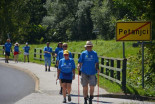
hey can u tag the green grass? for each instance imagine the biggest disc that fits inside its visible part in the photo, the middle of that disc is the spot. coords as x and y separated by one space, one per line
103 48
109 86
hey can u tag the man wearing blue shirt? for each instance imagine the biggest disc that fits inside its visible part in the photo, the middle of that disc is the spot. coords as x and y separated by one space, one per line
47 56
7 48
26 52
88 64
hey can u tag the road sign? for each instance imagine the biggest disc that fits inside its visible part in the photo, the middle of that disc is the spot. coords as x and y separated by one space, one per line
133 31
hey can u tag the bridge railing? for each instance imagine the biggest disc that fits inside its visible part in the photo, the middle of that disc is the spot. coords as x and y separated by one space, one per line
113 69
1 49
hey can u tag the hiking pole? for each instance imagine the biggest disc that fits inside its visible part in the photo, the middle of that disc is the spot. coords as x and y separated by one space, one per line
98 88
78 88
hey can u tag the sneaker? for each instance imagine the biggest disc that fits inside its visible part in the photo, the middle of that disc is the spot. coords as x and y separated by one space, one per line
64 101
49 70
85 100
45 69
69 98
90 101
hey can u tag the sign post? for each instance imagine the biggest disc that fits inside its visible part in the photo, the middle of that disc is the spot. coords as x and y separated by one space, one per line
143 64
96 32
123 49
134 31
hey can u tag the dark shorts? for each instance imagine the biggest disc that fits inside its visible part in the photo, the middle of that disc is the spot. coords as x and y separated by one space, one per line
66 81
7 53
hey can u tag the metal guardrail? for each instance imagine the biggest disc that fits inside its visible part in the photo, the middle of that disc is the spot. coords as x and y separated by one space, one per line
113 69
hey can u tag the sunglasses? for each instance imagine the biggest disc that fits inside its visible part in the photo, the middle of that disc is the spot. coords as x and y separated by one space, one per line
64 46
66 54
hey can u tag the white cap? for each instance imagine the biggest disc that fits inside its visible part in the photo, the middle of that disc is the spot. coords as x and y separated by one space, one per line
16 43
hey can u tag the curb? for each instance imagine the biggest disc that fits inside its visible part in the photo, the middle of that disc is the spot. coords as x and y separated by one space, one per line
32 75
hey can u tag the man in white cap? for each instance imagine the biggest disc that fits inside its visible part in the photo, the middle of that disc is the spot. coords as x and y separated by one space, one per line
88 64
26 52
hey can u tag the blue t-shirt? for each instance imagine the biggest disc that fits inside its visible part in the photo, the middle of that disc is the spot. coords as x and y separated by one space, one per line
7 47
88 60
57 50
49 49
66 67
60 55
26 49
16 48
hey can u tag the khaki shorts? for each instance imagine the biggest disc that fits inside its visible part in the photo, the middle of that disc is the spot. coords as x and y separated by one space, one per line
88 79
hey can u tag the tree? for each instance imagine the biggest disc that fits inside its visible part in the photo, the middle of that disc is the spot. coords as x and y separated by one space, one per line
71 19
17 16
104 19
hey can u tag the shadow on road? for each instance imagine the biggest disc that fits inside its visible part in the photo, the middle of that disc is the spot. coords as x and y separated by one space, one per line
133 97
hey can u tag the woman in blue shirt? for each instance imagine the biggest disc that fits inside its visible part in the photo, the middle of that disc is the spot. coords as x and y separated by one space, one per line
16 52
26 52
59 57
66 72
47 56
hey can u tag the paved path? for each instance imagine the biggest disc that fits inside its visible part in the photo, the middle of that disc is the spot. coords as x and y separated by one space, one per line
48 90
13 85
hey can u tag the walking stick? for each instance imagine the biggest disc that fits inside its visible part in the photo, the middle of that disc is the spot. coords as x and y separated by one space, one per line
98 88
78 88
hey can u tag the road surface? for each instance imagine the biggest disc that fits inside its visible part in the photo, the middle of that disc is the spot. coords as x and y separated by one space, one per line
14 85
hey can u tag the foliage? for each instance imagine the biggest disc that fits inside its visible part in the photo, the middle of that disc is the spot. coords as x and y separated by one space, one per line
69 20
134 72
104 19
139 10
17 17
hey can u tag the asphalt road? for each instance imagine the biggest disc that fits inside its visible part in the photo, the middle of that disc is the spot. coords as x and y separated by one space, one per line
14 85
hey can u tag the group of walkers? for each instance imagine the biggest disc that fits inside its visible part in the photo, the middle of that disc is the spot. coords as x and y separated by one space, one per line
16 52
87 64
